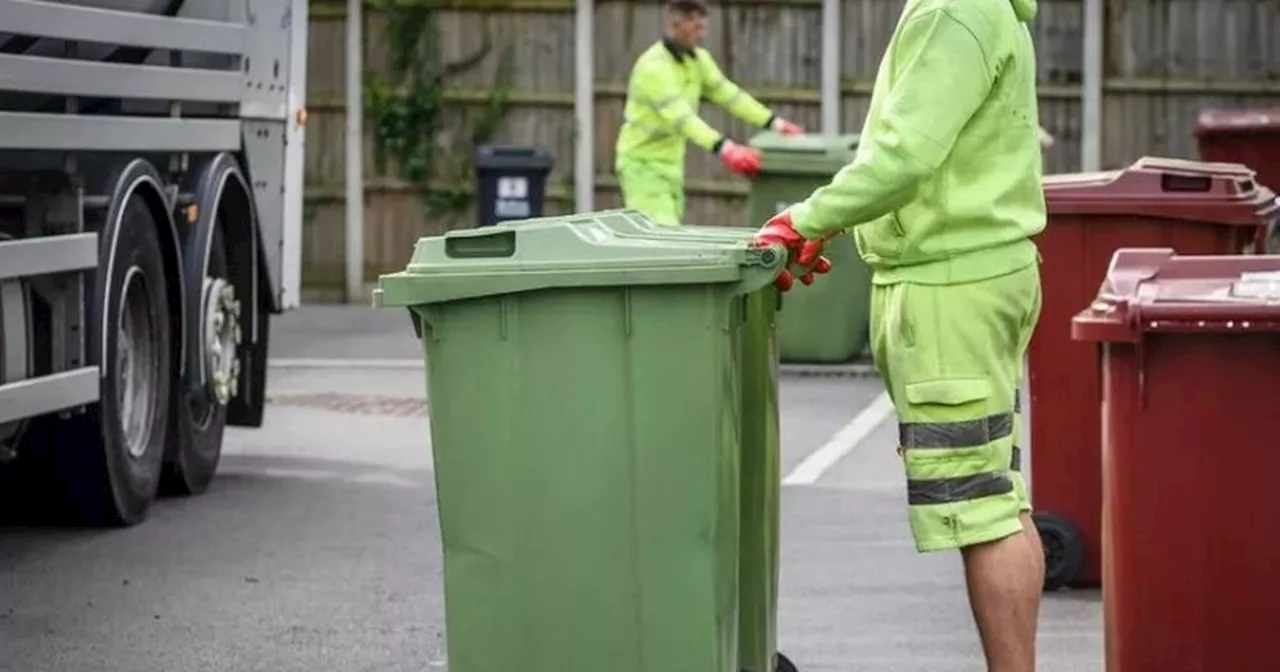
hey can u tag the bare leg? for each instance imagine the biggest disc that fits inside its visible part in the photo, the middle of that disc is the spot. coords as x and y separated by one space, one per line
1005 578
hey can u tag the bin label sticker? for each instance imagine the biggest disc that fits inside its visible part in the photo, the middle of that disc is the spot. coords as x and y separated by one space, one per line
1264 285
513 187
513 208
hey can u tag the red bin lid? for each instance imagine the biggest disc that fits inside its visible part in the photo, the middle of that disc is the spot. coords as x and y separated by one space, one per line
1197 191
1154 290
1234 122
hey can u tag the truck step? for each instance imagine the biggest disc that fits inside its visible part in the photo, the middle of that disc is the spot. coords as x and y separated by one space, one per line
48 254
46 394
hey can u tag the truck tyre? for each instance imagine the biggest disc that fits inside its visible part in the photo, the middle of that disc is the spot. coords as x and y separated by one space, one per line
249 407
199 412
1063 549
107 461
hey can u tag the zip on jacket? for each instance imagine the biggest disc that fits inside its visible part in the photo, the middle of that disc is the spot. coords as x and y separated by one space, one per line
664 93
946 183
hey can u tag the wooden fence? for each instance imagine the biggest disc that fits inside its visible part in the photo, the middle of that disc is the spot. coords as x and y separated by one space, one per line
1164 61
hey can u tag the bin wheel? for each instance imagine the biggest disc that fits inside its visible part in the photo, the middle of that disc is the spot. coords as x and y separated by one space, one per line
784 664
1063 550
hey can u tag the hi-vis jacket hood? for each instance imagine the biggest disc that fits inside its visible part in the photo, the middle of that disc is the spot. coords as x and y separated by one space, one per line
945 187
1025 10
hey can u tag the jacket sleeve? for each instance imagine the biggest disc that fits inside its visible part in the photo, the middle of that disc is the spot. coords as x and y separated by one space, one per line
659 88
724 92
941 78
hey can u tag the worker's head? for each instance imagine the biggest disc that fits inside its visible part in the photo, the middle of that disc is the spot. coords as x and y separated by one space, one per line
686 22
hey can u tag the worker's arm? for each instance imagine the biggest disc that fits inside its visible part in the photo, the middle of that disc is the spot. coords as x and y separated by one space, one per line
724 92
940 80
658 86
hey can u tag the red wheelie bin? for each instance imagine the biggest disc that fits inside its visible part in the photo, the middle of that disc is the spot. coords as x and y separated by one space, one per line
1190 353
1194 208
1251 137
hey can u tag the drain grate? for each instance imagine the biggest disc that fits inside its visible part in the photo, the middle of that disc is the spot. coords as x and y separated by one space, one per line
406 407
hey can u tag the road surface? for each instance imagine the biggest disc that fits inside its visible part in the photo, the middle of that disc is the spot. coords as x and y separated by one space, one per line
317 548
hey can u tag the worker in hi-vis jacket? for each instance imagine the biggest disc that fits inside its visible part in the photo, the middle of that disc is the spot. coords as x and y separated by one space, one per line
943 198
667 83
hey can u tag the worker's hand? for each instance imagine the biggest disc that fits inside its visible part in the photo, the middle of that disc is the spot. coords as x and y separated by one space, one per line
807 254
740 159
787 127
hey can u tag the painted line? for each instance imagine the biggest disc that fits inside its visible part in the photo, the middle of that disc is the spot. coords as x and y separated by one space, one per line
842 443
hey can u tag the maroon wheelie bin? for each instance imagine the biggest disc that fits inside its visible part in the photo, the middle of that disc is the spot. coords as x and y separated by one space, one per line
1190 355
1248 136
1251 137
1192 207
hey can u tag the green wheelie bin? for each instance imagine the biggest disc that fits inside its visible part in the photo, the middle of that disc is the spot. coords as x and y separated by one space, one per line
586 429
761 468
840 301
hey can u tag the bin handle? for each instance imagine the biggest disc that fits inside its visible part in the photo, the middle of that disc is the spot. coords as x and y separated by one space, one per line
490 244
1176 182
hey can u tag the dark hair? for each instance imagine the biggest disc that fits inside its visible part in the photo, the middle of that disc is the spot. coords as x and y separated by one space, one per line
688 7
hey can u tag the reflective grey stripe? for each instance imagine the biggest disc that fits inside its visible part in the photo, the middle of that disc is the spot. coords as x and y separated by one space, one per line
1017 401
669 100
682 120
734 98
924 492
961 434
653 131
1015 463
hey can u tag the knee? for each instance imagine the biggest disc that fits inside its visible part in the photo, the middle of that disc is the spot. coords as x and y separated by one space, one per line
994 546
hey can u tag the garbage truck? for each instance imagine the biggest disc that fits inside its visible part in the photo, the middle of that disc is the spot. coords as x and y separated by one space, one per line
150 225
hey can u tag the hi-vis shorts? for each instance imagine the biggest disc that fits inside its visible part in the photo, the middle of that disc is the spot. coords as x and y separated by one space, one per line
951 358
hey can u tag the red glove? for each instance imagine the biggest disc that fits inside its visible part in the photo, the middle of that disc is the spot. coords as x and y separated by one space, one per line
786 127
740 159
779 230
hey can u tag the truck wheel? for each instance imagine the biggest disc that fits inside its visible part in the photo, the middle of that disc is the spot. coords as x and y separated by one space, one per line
107 461
200 411
1063 550
248 408
784 664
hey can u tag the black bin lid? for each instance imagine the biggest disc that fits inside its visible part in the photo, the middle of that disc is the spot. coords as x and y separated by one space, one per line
512 157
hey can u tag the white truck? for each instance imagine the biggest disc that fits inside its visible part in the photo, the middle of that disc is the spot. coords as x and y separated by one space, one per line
150 223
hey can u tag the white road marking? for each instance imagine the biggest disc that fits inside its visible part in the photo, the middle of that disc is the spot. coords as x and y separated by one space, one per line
383 478
304 474
842 443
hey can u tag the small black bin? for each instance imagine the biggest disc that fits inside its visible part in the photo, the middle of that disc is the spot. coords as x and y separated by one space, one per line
511 182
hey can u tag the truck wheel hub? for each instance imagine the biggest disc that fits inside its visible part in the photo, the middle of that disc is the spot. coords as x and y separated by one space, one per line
221 312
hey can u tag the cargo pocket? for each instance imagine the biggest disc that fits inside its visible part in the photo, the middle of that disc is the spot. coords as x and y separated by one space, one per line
948 391
951 441
950 419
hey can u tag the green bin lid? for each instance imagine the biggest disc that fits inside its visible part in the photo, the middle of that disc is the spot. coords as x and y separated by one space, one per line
804 154
574 251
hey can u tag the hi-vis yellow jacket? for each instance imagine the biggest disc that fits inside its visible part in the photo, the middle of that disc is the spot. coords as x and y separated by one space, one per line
663 95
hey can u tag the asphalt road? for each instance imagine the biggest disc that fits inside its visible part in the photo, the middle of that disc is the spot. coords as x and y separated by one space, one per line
317 548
